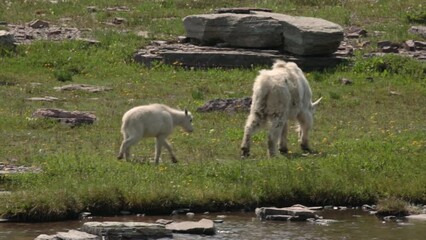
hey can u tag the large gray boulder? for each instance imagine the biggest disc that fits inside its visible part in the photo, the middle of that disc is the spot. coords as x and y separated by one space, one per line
304 36
235 30
307 35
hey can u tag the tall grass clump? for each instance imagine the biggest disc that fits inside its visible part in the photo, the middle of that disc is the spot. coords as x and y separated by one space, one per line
389 65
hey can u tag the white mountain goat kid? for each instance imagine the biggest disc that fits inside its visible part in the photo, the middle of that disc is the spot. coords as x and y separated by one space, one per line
279 95
155 120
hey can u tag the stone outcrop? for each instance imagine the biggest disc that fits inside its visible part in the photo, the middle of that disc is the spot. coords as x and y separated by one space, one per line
304 36
293 213
204 226
195 56
74 118
7 41
227 105
40 30
246 37
418 30
127 230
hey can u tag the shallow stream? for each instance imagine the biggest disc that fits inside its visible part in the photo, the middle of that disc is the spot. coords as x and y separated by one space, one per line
351 224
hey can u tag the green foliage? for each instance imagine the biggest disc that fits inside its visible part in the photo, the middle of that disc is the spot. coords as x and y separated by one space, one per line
391 64
417 15
319 2
63 75
334 95
392 206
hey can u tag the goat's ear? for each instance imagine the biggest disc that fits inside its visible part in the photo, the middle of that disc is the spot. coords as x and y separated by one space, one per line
186 112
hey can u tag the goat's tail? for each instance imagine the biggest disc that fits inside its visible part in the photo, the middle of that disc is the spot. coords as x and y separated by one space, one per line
279 64
123 126
261 90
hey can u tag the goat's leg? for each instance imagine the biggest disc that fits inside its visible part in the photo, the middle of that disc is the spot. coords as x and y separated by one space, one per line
283 140
253 123
158 145
305 122
170 149
125 147
274 134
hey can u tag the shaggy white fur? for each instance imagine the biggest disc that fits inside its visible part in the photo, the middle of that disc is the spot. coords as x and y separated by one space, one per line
280 94
155 120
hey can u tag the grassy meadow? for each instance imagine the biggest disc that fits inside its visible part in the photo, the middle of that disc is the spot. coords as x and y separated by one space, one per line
370 136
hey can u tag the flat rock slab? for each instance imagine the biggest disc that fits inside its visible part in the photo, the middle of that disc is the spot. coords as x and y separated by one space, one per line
127 230
70 235
323 222
204 226
227 105
74 118
417 217
83 87
195 56
42 99
293 213
10 169
305 36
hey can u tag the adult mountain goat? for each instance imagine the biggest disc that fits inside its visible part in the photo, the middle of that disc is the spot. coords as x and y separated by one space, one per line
155 120
280 94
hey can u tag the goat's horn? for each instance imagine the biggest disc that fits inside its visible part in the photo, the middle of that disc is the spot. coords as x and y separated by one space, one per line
316 102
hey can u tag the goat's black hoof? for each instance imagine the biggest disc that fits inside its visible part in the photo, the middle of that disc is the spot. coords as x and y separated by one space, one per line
245 153
284 151
305 148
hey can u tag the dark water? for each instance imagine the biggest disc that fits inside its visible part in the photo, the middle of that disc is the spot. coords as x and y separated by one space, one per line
351 224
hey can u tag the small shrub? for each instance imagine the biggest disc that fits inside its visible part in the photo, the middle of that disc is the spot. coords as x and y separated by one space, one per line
316 76
63 75
392 206
319 2
197 94
416 16
391 64
7 51
334 95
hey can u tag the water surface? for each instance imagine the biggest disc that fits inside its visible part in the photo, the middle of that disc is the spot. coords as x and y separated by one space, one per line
351 224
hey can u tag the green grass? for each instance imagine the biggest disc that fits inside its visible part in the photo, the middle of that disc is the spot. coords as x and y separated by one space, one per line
370 136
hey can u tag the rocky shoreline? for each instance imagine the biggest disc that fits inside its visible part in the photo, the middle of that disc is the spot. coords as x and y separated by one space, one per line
204 226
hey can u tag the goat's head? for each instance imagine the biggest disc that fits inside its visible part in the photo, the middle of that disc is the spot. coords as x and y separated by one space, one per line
187 122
